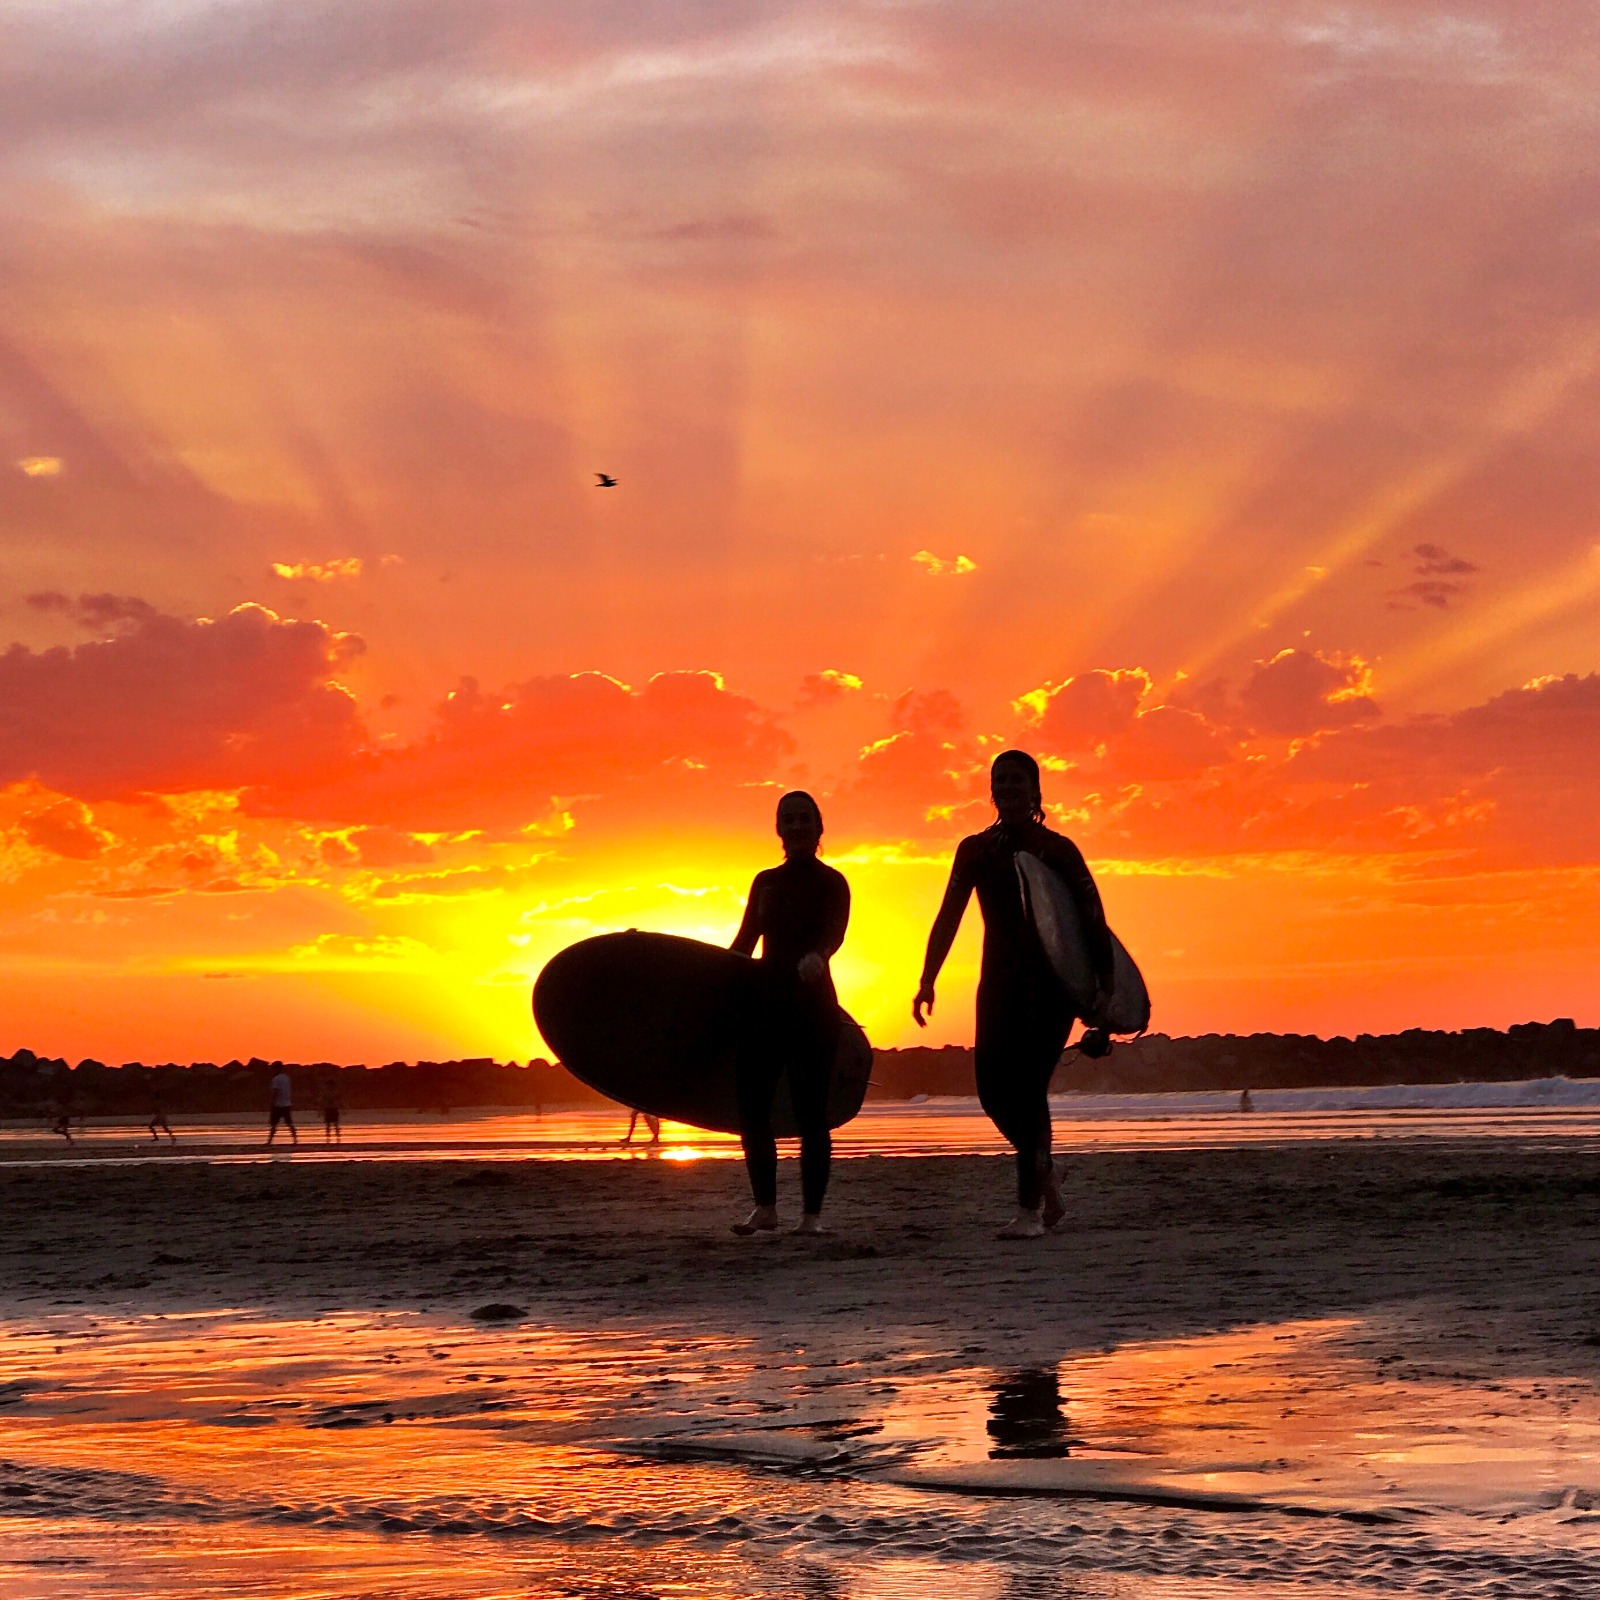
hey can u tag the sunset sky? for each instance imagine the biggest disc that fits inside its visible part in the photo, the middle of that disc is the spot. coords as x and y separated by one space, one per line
1203 397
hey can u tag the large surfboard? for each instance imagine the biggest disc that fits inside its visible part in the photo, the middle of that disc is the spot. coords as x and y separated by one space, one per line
650 1020
1054 914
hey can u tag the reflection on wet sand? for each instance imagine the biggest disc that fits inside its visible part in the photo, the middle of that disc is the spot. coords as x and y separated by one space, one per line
187 1455
1025 1416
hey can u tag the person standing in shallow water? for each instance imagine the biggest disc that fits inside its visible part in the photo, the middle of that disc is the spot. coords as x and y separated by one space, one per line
280 1107
798 912
1024 1015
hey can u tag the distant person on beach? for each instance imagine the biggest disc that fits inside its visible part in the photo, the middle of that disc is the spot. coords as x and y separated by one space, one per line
280 1097
332 1109
1024 1015
798 912
158 1123
1245 1102
61 1112
653 1123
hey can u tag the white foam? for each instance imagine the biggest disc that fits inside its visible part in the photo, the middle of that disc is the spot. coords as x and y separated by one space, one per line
1529 1094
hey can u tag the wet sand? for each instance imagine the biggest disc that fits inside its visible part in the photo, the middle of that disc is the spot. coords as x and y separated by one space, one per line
1487 1249
268 1379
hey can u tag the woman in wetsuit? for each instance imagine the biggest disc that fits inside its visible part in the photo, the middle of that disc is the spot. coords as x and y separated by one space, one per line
1024 1015
798 912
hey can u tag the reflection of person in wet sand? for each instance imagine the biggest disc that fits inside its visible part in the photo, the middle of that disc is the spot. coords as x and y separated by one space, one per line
1024 1015
1025 1416
798 912
280 1097
653 1123
332 1110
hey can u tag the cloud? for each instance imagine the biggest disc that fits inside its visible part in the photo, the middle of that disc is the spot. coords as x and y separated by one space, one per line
374 847
39 466
169 705
940 567
95 612
1167 744
1103 723
920 768
319 572
1433 559
1440 577
498 759
1086 711
389 847
820 688
1301 692
65 828
1508 783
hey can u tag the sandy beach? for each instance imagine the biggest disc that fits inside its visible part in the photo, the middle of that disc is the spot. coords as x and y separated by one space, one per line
1401 1339
1495 1245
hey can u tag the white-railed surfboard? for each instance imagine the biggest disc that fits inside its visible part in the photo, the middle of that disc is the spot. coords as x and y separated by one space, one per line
1054 914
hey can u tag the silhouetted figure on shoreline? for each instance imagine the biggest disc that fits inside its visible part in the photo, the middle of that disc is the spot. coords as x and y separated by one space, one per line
653 1123
332 1109
1024 1015
280 1106
1245 1102
798 912
158 1123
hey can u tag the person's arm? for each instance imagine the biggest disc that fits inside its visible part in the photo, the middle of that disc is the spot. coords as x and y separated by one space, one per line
744 941
1067 861
945 927
835 919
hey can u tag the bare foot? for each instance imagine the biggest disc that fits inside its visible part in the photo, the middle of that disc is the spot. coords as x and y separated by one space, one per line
764 1219
1025 1225
809 1223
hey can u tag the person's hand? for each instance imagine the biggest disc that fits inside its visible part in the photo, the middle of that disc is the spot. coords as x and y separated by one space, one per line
811 967
924 998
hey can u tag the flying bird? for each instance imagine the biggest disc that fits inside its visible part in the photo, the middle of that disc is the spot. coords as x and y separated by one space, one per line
604 480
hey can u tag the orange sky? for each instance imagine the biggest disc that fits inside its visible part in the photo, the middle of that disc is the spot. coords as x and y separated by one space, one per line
1203 398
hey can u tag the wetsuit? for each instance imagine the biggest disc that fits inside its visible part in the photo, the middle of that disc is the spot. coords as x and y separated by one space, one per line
795 910
1024 1015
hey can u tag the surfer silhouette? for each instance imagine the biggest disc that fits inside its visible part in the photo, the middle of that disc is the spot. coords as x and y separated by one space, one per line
1024 1015
798 913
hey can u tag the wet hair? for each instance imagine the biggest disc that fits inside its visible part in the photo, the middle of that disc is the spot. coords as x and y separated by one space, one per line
810 800
1021 758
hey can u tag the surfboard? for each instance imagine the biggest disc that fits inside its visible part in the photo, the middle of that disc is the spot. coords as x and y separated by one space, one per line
650 1020
1054 914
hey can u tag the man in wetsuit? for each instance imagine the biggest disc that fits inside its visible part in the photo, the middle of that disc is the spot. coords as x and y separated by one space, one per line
798 912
